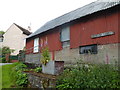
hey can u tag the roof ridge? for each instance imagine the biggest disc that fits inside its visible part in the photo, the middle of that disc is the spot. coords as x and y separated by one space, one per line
25 31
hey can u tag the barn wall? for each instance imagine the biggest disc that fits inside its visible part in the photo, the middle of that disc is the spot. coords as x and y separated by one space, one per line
106 54
81 32
29 46
119 26
51 39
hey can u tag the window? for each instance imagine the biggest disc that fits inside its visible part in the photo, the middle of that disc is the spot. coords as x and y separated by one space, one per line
88 49
36 45
65 36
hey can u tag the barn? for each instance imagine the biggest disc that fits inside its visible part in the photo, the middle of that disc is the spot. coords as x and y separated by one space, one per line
90 33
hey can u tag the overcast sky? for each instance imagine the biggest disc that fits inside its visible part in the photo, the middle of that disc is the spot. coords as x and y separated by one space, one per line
35 12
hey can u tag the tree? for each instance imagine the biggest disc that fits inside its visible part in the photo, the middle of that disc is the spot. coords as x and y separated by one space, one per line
2 32
6 51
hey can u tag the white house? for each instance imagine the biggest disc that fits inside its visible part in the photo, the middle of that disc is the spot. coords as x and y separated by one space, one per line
14 38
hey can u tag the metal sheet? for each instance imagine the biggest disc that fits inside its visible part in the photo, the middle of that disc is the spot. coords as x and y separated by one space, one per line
65 34
78 13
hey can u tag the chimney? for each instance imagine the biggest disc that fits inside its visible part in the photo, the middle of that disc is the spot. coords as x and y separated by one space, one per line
29 27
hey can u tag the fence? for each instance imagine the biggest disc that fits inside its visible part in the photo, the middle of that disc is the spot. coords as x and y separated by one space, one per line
13 57
31 50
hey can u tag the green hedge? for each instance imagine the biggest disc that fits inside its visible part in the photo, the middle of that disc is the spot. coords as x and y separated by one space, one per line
13 57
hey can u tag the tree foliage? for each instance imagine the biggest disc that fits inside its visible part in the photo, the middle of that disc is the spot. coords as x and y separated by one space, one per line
7 50
2 32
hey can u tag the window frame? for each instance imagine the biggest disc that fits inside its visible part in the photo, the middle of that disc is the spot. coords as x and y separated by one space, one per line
36 47
88 49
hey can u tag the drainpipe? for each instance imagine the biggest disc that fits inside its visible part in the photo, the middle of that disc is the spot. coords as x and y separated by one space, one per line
53 55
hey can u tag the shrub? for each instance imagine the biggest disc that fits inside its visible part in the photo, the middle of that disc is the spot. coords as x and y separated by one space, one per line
20 66
45 57
89 76
22 79
3 60
38 69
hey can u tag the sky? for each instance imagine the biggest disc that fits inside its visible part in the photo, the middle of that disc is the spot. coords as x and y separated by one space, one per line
35 13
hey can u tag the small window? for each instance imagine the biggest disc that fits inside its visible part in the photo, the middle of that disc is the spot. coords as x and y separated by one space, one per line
36 45
92 49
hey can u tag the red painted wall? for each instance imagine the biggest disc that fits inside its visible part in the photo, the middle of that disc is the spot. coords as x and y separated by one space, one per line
50 39
80 33
29 44
119 26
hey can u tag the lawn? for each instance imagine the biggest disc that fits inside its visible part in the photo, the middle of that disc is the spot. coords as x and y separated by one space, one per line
0 77
8 76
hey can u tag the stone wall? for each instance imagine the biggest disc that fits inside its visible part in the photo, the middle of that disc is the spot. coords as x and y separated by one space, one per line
41 80
106 54
32 58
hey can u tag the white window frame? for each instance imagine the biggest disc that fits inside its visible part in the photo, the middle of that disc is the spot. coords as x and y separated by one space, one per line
36 45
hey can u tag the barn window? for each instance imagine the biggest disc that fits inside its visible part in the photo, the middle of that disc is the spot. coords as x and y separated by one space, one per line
36 45
65 36
92 49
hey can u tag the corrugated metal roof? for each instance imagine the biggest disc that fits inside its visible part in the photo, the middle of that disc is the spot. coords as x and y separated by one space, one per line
78 13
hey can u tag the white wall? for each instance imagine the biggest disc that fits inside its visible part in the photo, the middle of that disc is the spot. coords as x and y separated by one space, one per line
14 38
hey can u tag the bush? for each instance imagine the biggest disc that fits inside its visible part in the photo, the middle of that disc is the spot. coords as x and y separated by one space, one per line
22 79
89 76
45 56
38 69
20 66
3 60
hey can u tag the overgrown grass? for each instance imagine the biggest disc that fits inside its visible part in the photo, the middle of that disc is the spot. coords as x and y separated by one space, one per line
89 76
8 75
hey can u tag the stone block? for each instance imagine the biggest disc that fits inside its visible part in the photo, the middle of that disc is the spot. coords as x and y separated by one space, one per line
53 67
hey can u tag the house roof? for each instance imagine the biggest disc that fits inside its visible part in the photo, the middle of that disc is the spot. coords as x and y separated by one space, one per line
24 30
78 13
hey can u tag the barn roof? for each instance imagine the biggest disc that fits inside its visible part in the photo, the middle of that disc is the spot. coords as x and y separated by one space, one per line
78 13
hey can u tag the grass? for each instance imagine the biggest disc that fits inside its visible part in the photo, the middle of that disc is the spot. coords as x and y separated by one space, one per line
0 77
8 75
